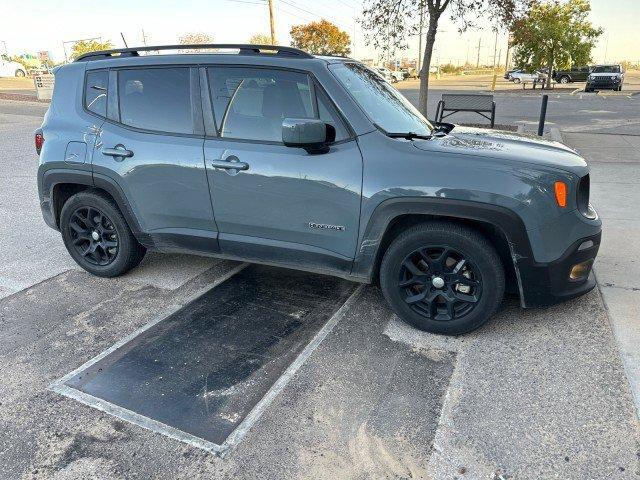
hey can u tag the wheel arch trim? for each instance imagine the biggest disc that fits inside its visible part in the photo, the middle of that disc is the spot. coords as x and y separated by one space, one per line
505 220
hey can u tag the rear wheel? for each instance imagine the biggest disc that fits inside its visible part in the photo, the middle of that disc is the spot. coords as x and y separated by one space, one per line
20 73
516 80
564 79
442 278
97 236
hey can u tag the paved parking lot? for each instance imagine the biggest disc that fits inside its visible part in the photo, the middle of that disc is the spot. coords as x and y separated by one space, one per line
535 394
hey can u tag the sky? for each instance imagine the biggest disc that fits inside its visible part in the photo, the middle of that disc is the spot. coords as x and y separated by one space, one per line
35 25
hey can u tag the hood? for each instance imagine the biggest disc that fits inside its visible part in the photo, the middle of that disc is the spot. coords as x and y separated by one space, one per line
506 146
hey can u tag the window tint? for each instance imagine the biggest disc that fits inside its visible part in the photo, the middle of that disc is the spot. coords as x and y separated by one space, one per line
95 92
250 103
156 99
607 69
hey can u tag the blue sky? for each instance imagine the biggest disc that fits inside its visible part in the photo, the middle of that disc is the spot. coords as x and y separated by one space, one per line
32 25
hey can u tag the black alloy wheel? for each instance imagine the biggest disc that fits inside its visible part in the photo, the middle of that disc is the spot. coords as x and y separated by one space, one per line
440 283
94 236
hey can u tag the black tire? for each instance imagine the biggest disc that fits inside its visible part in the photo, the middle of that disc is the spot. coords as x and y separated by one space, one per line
517 80
564 79
115 251
20 73
482 267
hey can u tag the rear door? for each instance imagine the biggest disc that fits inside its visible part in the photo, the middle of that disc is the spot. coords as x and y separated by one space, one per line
288 206
151 147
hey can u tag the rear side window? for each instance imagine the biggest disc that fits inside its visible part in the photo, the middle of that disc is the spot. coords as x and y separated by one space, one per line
95 92
157 99
251 103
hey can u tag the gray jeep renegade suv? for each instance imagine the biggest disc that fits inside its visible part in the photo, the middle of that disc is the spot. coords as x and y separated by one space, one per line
271 155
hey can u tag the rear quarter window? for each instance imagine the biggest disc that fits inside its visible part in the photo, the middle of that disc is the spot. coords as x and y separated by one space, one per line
95 92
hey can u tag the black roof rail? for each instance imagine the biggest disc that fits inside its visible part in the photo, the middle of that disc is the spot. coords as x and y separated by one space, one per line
245 49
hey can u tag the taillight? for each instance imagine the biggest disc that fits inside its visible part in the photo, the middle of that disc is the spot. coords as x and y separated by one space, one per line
39 140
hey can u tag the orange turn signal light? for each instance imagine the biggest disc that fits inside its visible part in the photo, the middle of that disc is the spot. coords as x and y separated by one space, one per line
560 189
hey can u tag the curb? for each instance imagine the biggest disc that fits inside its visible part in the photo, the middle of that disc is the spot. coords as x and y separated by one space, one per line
21 97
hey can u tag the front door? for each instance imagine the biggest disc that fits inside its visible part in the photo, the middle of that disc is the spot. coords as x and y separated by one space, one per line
151 146
282 204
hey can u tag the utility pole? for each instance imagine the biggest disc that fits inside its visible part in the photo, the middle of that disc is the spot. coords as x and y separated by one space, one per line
420 36
479 47
468 46
509 40
144 38
495 50
272 23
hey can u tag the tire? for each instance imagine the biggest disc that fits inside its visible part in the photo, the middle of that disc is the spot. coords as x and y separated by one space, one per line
564 79
435 285
517 80
115 251
20 73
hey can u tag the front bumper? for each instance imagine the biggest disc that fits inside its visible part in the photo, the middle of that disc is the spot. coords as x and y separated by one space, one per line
603 84
545 284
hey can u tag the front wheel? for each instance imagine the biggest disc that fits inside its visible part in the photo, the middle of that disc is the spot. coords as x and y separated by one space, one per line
564 80
97 236
20 73
443 278
516 80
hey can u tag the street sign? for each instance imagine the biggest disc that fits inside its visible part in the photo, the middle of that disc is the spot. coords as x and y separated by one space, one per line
44 86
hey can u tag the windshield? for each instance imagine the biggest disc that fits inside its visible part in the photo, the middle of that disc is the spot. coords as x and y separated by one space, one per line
607 69
384 105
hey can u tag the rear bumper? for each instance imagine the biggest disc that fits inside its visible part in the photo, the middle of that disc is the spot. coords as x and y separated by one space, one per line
545 284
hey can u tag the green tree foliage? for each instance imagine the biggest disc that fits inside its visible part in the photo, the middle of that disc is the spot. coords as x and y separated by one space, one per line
260 39
87 46
320 38
389 23
555 34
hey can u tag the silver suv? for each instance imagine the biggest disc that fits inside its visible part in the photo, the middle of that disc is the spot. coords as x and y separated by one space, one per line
272 155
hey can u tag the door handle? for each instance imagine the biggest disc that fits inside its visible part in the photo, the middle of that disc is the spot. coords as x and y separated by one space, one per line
229 165
117 151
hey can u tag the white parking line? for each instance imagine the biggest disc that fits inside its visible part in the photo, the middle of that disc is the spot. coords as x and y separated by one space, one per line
59 386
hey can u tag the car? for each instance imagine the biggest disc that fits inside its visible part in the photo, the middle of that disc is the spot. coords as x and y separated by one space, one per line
276 156
9 68
386 74
575 74
524 77
604 77
397 75
508 73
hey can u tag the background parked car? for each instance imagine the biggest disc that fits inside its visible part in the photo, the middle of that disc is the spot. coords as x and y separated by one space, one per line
508 73
574 74
9 68
521 77
604 77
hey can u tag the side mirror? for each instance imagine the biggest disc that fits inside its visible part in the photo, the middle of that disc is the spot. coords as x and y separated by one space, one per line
310 134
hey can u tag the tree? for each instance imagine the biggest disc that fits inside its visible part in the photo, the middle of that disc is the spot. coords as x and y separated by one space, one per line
321 38
195 38
556 34
87 46
388 23
260 39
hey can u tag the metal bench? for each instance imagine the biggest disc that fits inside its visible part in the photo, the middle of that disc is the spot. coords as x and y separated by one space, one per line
465 102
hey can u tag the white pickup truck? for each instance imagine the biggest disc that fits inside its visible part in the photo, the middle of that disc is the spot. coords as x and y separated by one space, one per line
10 68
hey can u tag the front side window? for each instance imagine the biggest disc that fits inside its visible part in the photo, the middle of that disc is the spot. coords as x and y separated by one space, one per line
95 92
251 103
385 106
157 99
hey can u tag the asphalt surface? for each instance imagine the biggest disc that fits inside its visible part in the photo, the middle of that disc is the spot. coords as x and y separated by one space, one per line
534 394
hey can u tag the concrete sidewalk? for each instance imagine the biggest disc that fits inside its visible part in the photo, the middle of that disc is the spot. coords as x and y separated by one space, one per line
615 192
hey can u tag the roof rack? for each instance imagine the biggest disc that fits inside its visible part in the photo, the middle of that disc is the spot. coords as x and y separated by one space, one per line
244 49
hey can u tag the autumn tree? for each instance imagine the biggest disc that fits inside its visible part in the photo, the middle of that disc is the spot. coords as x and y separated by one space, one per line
388 24
260 39
87 46
196 38
320 38
555 34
